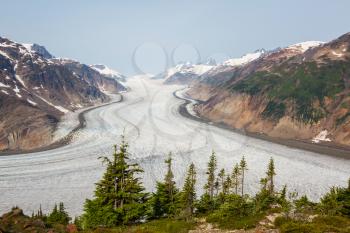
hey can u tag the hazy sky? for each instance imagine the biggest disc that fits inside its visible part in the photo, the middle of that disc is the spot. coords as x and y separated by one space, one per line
148 35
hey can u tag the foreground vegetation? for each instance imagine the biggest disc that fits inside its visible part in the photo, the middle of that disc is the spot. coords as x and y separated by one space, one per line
121 204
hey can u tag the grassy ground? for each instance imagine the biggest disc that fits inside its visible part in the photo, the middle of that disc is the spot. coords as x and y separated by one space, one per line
318 225
156 226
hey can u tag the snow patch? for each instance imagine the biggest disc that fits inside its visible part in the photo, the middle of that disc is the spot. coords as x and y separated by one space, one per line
59 108
5 55
7 45
16 89
32 102
303 46
102 69
28 46
5 92
4 85
188 68
337 54
244 59
19 78
322 136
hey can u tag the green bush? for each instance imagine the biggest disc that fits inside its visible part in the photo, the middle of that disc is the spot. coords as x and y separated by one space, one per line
237 212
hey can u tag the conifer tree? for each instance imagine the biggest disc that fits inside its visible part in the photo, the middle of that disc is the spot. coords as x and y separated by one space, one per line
227 185
163 202
270 175
58 215
169 180
284 192
236 177
221 176
210 185
189 192
243 168
263 182
119 196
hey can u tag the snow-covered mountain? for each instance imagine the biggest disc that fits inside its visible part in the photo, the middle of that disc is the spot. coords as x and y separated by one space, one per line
184 73
245 58
36 89
106 71
303 46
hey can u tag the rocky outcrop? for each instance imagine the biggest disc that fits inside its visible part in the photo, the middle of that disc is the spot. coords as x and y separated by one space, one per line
16 221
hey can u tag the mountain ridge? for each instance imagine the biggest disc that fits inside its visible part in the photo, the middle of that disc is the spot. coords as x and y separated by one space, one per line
297 92
36 89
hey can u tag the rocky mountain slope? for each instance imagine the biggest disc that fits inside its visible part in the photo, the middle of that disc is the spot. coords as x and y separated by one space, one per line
36 89
107 72
298 92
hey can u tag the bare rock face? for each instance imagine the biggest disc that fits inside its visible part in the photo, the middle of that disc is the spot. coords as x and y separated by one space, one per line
299 92
36 89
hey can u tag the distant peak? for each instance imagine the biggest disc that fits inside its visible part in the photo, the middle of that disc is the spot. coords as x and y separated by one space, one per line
39 49
303 46
249 57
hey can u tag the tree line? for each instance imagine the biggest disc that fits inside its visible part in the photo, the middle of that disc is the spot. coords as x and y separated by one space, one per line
120 198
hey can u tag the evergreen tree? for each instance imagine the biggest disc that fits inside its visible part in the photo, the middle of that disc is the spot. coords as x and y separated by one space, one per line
58 215
210 185
263 182
236 172
227 185
243 168
164 201
270 175
207 202
284 192
189 192
222 176
169 181
119 196
236 177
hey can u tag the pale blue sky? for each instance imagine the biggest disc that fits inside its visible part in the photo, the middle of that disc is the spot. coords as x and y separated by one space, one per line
108 32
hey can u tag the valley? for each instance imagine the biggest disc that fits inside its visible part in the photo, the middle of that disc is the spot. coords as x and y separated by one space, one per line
148 117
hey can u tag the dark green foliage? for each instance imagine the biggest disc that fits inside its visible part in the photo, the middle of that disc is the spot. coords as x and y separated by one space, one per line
243 167
119 196
210 185
274 111
336 202
303 205
270 174
188 194
58 215
207 200
237 212
236 172
161 204
302 85
205 204
165 201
